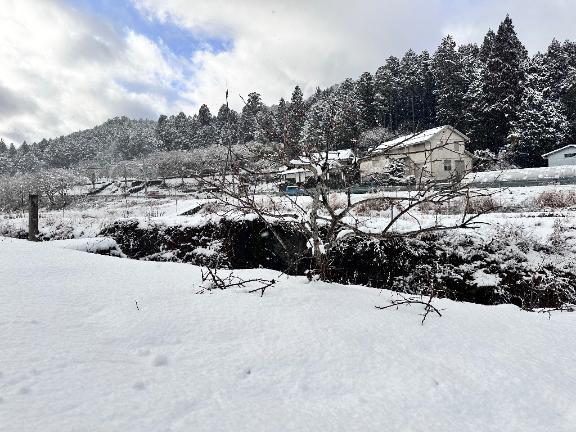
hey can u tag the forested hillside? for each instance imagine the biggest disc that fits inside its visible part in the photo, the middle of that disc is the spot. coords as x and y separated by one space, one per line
513 105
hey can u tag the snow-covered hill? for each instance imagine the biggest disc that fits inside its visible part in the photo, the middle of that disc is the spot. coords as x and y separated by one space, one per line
76 354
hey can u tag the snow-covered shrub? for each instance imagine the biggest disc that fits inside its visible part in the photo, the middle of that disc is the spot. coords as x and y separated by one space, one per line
556 199
510 267
366 208
226 243
480 205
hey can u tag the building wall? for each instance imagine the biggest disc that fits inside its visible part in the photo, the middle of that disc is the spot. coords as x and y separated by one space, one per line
374 165
430 156
559 158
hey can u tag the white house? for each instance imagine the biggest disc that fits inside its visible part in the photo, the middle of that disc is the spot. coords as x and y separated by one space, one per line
439 153
303 167
563 156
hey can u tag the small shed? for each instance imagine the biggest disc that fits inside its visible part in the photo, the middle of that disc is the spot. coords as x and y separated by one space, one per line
563 156
296 175
305 166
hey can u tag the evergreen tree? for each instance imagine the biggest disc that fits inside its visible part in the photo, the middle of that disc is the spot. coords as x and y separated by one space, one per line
3 147
471 73
347 118
166 132
248 119
227 126
184 128
24 148
266 127
204 116
365 89
317 96
502 82
12 152
281 121
487 45
316 132
451 85
387 93
411 81
558 80
296 118
555 69
541 127
568 100
427 105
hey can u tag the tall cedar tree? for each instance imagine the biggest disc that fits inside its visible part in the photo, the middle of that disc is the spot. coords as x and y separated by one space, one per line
502 85
281 121
227 126
248 119
204 115
412 83
451 85
296 118
365 88
388 93
347 121
428 98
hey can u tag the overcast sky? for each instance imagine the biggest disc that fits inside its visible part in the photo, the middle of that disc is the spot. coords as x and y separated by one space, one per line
67 65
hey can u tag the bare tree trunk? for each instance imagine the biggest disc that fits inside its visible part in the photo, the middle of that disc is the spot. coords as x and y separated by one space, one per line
317 250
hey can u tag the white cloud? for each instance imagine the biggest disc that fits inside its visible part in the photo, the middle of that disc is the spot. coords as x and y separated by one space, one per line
279 44
62 71
537 22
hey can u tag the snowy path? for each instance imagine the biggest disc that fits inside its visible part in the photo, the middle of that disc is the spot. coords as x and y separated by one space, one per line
77 355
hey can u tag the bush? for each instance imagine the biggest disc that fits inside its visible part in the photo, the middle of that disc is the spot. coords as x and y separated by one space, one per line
556 199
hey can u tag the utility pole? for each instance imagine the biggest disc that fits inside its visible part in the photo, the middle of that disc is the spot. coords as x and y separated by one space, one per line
33 217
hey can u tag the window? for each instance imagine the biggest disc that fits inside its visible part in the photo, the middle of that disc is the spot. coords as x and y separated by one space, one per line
456 147
569 155
447 165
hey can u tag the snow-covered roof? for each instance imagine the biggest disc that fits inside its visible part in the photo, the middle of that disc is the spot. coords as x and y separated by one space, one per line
416 138
333 155
295 171
545 155
526 174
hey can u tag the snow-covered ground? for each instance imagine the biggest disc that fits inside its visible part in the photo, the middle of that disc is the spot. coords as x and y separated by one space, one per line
77 353
516 206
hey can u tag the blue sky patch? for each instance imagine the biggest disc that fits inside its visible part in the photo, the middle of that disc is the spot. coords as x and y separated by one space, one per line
123 16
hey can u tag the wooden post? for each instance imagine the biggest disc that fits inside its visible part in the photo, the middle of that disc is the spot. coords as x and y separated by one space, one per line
33 218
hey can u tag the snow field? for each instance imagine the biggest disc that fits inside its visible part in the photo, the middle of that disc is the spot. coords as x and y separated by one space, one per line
77 353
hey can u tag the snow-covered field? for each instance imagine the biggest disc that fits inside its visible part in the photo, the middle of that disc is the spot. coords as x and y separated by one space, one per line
515 206
78 355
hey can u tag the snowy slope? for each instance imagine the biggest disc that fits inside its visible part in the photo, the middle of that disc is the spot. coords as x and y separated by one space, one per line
77 355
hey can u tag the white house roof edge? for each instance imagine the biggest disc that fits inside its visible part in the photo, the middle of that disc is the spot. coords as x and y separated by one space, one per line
545 155
414 139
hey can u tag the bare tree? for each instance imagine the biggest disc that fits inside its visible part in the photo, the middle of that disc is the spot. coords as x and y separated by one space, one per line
325 215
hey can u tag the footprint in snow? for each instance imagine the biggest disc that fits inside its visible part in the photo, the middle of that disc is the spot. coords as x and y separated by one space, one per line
160 360
139 385
143 352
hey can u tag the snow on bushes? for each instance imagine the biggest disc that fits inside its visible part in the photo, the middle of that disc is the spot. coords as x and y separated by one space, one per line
556 199
223 243
510 267
507 266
